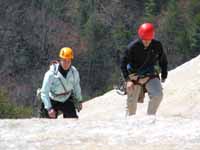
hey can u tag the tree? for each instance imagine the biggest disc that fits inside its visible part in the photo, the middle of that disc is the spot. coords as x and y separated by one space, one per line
195 15
150 10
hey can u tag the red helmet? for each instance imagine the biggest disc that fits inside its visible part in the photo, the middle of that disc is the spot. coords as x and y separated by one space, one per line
146 31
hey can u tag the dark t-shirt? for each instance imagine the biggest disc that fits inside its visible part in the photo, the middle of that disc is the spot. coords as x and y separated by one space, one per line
62 71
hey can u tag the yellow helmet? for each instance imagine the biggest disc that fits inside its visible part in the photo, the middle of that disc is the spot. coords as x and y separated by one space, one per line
66 53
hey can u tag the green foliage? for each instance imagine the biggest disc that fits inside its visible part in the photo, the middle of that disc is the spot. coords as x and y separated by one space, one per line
104 43
120 36
8 110
87 17
150 10
196 40
160 6
54 7
176 29
195 15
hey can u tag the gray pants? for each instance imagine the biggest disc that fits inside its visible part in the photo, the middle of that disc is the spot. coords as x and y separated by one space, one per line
154 90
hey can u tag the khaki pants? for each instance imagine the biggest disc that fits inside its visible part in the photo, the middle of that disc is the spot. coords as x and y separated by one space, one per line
154 90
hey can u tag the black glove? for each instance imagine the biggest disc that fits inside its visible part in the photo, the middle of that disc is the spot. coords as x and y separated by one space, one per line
163 77
163 80
79 107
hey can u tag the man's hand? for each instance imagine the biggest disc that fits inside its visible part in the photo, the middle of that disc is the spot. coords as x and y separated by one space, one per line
163 77
129 85
52 113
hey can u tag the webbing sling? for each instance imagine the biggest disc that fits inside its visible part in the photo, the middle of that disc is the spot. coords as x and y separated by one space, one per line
143 85
149 78
66 92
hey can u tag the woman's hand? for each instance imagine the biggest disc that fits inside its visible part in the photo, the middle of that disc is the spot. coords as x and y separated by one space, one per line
52 113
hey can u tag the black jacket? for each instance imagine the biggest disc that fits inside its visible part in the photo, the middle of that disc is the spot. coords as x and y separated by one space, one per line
140 57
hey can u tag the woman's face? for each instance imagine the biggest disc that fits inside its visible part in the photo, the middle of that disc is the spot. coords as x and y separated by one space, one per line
65 63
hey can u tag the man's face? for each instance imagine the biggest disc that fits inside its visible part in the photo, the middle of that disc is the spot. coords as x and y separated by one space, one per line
146 43
65 63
